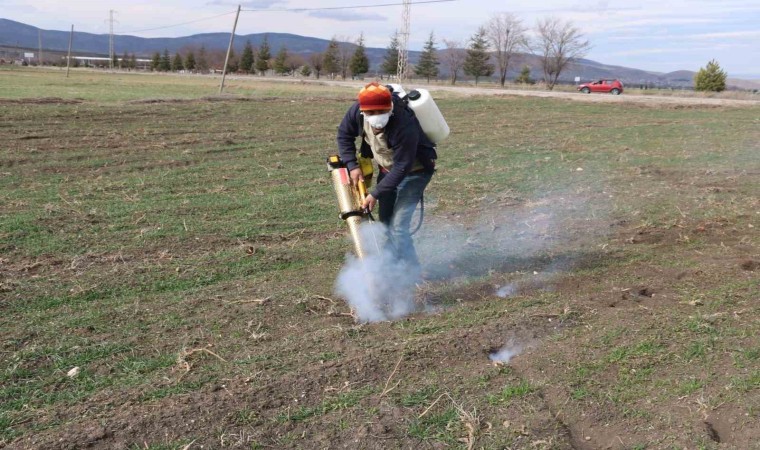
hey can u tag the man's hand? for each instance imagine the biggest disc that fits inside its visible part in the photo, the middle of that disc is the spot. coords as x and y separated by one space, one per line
356 175
369 202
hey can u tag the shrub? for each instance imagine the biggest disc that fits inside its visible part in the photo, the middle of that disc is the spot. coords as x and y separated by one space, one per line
711 78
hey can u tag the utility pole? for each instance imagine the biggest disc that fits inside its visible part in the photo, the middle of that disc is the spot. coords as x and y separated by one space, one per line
229 49
68 59
403 45
39 39
110 42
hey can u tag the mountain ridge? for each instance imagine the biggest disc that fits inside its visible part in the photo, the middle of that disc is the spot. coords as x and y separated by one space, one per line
24 36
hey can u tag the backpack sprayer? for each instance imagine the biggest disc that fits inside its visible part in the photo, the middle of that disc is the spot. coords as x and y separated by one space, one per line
431 120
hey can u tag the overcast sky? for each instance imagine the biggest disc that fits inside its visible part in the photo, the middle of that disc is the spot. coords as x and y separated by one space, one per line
657 35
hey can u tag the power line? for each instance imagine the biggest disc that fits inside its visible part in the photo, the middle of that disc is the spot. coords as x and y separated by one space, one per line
344 7
179 24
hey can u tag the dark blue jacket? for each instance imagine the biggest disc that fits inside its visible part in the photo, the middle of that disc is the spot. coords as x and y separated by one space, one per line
404 135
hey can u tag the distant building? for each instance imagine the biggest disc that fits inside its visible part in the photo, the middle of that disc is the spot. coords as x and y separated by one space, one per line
100 61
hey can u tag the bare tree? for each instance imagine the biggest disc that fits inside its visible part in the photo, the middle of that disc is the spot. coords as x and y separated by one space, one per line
293 62
453 58
507 35
316 63
558 42
345 52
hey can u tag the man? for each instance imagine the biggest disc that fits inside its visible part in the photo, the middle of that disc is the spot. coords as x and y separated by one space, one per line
392 135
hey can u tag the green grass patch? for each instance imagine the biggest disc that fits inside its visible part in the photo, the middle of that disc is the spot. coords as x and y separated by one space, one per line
332 404
747 383
424 396
435 426
510 392
690 386
628 353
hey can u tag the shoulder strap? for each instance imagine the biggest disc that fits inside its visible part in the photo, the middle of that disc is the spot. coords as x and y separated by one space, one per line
360 124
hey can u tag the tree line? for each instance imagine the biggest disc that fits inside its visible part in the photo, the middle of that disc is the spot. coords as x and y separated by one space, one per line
490 51
493 47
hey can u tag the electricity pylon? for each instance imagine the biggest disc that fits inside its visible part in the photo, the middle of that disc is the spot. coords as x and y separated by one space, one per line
403 45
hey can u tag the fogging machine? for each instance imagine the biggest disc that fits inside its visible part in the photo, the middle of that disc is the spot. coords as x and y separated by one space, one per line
351 197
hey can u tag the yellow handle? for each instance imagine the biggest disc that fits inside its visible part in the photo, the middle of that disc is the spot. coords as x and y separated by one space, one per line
366 165
362 190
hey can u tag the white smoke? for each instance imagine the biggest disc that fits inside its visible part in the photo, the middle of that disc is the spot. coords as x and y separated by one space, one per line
507 291
506 353
378 287
534 240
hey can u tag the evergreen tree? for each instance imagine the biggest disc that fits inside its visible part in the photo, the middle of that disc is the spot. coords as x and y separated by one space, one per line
427 66
201 63
190 61
132 61
306 70
177 64
359 62
115 61
524 77
711 78
262 59
165 64
477 63
389 65
246 60
233 64
330 60
155 62
124 63
280 64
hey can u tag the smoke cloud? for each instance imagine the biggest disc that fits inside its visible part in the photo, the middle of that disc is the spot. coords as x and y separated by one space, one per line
506 353
515 237
378 287
533 241
507 291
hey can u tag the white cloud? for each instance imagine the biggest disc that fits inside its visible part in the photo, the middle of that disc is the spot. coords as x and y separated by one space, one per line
251 4
347 15
727 35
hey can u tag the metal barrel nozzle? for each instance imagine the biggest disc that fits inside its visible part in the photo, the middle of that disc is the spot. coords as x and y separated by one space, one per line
350 200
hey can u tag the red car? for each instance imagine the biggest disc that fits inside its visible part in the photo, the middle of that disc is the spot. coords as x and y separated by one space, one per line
614 87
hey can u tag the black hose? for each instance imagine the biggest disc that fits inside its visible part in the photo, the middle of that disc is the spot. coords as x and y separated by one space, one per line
422 214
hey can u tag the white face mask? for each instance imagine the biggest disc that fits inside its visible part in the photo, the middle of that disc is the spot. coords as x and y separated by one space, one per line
378 121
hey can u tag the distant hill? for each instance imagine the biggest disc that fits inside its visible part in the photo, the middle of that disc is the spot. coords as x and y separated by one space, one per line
18 35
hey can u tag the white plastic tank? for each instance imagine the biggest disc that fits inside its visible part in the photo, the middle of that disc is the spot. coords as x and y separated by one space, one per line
430 117
398 89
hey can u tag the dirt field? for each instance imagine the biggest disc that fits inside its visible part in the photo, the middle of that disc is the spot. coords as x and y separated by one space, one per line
167 261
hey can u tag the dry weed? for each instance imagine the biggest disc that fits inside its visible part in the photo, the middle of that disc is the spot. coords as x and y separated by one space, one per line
184 354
